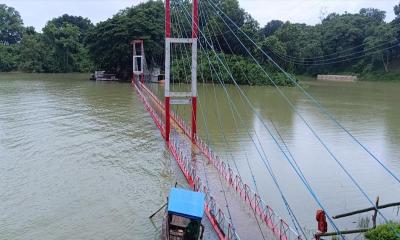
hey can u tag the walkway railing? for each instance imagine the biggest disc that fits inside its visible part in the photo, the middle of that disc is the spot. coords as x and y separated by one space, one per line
273 221
221 225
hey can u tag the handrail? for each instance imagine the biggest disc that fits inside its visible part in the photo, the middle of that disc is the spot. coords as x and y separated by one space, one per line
273 221
221 225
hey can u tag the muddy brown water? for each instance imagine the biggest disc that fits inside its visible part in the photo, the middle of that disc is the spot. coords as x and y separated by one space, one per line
83 160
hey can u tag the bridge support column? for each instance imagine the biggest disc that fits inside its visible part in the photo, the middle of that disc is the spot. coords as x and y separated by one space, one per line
181 97
167 69
195 29
138 61
194 118
167 118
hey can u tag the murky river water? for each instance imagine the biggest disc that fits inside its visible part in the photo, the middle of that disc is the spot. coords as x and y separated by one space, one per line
83 160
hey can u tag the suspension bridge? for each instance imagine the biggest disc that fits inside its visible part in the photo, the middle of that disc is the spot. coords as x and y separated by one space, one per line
234 206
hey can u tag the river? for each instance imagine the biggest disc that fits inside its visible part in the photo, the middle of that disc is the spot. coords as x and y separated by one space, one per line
83 160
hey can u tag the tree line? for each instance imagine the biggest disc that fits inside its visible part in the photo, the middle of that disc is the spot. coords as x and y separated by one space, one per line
59 48
361 43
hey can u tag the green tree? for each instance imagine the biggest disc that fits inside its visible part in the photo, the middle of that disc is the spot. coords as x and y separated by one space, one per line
29 31
244 70
396 22
396 10
35 55
385 36
109 42
83 24
66 44
222 30
373 13
274 48
11 25
8 58
271 28
294 37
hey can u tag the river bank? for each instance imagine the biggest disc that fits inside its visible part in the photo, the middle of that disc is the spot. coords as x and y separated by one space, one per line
393 76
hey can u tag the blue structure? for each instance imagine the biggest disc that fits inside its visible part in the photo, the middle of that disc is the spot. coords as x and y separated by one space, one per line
186 203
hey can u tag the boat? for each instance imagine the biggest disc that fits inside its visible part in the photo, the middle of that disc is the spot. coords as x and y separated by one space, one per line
103 76
183 216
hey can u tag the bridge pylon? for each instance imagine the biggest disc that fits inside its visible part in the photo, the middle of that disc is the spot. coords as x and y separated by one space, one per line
138 61
181 97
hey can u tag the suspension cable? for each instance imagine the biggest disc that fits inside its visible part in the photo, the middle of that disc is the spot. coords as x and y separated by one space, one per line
321 108
228 94
219 177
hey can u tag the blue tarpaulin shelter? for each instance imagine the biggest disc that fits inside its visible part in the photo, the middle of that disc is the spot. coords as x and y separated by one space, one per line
186 203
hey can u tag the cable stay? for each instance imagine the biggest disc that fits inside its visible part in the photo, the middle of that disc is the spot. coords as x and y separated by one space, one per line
267 164
308 125
227 145
315 134
329 62
180 35
182 140
298 86
287 157
291 214
321 108
337 59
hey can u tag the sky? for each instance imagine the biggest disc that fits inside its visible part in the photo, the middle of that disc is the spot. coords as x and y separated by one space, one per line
37 12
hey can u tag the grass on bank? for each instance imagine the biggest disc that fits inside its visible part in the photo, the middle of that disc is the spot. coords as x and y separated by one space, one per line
388 231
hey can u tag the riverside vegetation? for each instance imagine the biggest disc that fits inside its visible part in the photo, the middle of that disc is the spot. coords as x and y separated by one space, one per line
361 43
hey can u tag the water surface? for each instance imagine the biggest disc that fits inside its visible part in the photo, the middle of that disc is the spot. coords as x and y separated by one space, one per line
83 160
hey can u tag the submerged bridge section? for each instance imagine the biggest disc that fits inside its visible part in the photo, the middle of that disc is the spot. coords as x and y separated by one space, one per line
233 208
248 216
243 213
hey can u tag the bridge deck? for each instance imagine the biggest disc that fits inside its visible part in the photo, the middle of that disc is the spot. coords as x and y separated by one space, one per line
247 225
243 219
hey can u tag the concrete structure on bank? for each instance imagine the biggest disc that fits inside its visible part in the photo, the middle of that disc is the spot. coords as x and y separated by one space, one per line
342 78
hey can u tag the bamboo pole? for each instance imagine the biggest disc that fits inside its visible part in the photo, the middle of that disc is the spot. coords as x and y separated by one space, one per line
318 235
366 210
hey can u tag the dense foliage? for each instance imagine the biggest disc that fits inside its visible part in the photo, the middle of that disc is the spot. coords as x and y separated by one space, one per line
361 43
109 42
243 70
384 232
60 48
10 25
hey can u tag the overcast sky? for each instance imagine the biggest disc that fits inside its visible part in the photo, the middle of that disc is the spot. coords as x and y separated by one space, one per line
37 12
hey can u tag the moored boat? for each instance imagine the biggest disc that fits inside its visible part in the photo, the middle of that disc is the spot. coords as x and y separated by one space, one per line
103 76
183 216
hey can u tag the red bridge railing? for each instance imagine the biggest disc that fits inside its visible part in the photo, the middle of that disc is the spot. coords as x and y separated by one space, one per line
273 221
221 225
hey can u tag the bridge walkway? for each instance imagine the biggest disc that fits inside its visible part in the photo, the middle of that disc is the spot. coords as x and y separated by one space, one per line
247 225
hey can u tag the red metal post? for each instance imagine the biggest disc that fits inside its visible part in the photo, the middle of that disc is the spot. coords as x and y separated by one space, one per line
133 54
195 29
143 59
194 119
167 100
167 119
195 19
167 19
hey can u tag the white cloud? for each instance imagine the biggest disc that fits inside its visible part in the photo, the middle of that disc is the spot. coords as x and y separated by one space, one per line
37 12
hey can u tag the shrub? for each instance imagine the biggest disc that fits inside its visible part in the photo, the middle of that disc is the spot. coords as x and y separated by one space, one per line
388 231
